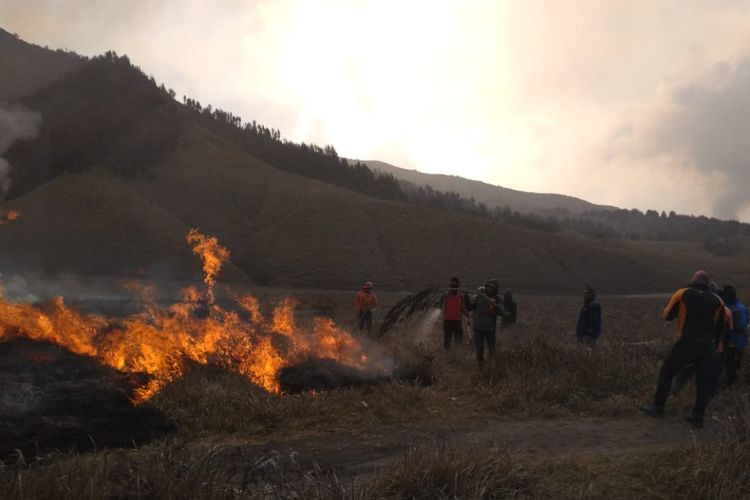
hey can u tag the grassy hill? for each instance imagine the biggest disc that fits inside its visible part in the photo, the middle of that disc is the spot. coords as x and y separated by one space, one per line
120 171
492 196
286 230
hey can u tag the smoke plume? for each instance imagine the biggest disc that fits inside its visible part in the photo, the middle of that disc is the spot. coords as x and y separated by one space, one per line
15 124
700 127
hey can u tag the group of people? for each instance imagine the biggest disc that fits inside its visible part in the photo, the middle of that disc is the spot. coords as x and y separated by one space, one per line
712 332
483 308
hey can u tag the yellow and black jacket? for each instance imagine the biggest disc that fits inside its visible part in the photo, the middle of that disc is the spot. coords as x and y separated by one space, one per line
700 314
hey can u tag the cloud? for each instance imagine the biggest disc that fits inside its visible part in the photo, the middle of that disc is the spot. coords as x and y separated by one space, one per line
700 126
15 123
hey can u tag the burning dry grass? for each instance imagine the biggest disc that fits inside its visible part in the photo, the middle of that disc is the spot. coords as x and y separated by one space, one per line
9 216
158 341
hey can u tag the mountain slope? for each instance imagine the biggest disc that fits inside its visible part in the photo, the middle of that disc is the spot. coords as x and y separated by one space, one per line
114 194
27 68
286 230
492 196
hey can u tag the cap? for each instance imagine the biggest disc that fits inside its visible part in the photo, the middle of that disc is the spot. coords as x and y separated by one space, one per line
701 278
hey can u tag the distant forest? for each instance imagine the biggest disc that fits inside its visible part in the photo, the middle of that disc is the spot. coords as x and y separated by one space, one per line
110 113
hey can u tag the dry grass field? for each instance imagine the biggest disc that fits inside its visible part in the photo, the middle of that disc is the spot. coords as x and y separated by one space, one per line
548 419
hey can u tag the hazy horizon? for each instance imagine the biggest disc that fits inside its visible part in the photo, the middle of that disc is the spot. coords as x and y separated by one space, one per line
640 106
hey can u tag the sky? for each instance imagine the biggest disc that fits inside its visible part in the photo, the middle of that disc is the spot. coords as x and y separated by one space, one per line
638 104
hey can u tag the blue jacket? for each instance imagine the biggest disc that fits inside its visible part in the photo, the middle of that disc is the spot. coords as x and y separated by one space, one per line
738 336
589 322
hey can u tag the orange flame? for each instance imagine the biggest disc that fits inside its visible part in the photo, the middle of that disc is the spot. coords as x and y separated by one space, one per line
213 255
9 216
158 340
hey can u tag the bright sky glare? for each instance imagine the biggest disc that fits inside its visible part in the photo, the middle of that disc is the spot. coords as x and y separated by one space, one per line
548 96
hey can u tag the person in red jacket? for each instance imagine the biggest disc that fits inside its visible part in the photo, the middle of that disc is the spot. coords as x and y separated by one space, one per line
454 308
365 302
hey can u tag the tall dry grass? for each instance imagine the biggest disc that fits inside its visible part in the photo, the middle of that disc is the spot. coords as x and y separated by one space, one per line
714 469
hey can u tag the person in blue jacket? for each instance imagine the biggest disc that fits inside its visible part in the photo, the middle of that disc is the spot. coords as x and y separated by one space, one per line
737 338
589 324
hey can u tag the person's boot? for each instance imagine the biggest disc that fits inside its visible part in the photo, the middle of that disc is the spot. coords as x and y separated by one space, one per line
653 410
694 420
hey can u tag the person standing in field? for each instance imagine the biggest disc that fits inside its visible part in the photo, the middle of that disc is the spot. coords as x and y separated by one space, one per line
722 342
737 339
365 302
700 318
511 308
454 308
589 323
486 309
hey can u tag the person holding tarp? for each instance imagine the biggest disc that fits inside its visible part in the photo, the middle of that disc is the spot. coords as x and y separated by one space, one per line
700 318
486 309
510 306
365 302
454 306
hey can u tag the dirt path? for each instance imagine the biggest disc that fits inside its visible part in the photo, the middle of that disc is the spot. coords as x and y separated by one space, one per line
365 452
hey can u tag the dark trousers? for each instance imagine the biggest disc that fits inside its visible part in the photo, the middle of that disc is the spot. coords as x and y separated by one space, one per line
683 376
699 353
480 336
364 320
452 329
732 363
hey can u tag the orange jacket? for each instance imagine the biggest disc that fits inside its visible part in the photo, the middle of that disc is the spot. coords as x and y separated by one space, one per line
365 301
700 314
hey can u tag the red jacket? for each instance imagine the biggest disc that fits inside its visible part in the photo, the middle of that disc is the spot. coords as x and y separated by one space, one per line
453 306
365 301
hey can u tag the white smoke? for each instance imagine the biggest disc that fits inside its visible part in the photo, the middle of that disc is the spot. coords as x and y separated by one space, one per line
15 124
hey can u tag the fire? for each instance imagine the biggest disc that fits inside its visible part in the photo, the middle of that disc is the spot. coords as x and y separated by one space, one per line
158 340
9 216
213 255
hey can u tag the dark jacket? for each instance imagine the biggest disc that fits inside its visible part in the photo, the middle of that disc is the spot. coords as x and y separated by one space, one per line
699 314
486 311
589 323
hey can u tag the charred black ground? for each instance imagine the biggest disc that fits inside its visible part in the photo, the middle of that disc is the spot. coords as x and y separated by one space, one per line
326 374
54 400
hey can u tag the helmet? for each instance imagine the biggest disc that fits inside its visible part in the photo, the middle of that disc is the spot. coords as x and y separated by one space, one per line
492 283
367 285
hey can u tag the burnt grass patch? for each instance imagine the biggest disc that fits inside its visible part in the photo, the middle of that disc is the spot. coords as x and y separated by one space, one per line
316 374
53 400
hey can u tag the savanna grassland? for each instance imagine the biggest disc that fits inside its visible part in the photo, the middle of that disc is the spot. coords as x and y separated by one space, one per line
548 419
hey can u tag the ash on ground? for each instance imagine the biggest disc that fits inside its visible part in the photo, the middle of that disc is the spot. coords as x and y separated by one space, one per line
326 374
54 400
